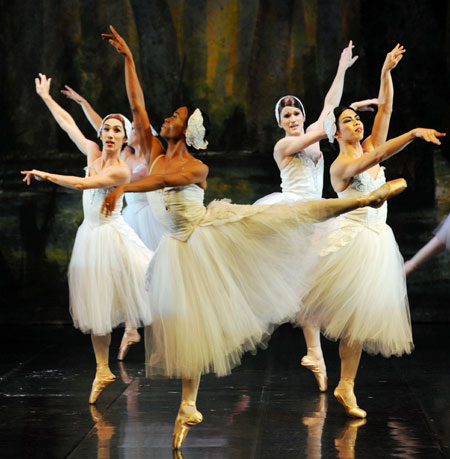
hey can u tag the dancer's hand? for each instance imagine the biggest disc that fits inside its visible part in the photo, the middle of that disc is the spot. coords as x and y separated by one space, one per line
109 204
37 175
118 42
73 95
347 59
365 105
393 58
43 85
429 135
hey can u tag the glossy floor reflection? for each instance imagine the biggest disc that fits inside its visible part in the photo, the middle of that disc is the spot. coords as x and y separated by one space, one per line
268 408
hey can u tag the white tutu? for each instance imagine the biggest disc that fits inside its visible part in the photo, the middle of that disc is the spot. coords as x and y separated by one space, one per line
360 289
223 278
138 214
107 270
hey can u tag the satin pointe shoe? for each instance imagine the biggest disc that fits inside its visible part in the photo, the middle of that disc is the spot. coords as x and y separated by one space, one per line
384 192
344 397
98 386
126 343
184 423
317 366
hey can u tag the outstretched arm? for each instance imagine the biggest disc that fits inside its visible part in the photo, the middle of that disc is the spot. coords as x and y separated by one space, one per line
93 117
150 144
334 94
62 117
342 170
429 250
112 176
193 172
385 100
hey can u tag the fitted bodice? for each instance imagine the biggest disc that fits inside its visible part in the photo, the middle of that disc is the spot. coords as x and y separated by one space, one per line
92 205
362 184
302 177
179 209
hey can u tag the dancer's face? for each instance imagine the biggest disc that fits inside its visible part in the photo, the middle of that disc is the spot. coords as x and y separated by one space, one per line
291 120
113 134
175 126
350 127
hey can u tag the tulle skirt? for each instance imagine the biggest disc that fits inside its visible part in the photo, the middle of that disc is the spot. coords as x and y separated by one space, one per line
107 277
359 293
242 271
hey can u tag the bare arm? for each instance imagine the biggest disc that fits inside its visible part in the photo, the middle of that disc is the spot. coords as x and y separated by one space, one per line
385 100
111 176
193 172
93 117
290 145
429 250
149 144
63 118
342 170
334 94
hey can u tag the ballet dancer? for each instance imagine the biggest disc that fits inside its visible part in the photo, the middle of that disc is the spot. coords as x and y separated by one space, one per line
109 261
359 295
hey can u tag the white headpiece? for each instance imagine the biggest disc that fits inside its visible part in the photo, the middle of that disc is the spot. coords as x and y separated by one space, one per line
277 106
329 126
126 122
195 132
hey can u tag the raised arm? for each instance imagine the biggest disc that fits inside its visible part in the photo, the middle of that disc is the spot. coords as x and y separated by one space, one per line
385 100
93 117
288 146
193 172
149 144
334 94
62 117
111 176
343 169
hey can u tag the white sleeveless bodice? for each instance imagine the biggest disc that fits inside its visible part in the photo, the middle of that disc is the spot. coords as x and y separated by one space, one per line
302 177
92 205
179 209
362 184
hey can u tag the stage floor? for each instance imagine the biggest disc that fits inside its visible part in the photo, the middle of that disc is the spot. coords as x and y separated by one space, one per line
268 408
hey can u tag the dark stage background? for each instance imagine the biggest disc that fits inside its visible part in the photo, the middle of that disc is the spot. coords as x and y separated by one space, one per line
234 59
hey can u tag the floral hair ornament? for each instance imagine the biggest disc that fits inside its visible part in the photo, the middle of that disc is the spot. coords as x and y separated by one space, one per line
195 132
277 106
126 122
329 126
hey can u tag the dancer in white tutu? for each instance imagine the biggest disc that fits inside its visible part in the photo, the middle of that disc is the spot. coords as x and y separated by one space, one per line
359 294
137 213
301 165
225 274
109 261
435 246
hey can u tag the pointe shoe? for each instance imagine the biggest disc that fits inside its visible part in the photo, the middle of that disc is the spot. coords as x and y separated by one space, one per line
384 192
184 423
126 343
98 386
342 396
320 374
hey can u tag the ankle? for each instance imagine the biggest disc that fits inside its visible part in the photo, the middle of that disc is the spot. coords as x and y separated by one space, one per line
315 352
346 384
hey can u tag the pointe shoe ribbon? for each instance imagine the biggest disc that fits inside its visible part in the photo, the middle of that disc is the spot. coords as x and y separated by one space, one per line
98 386
125 345
320 375
184 423
392 188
